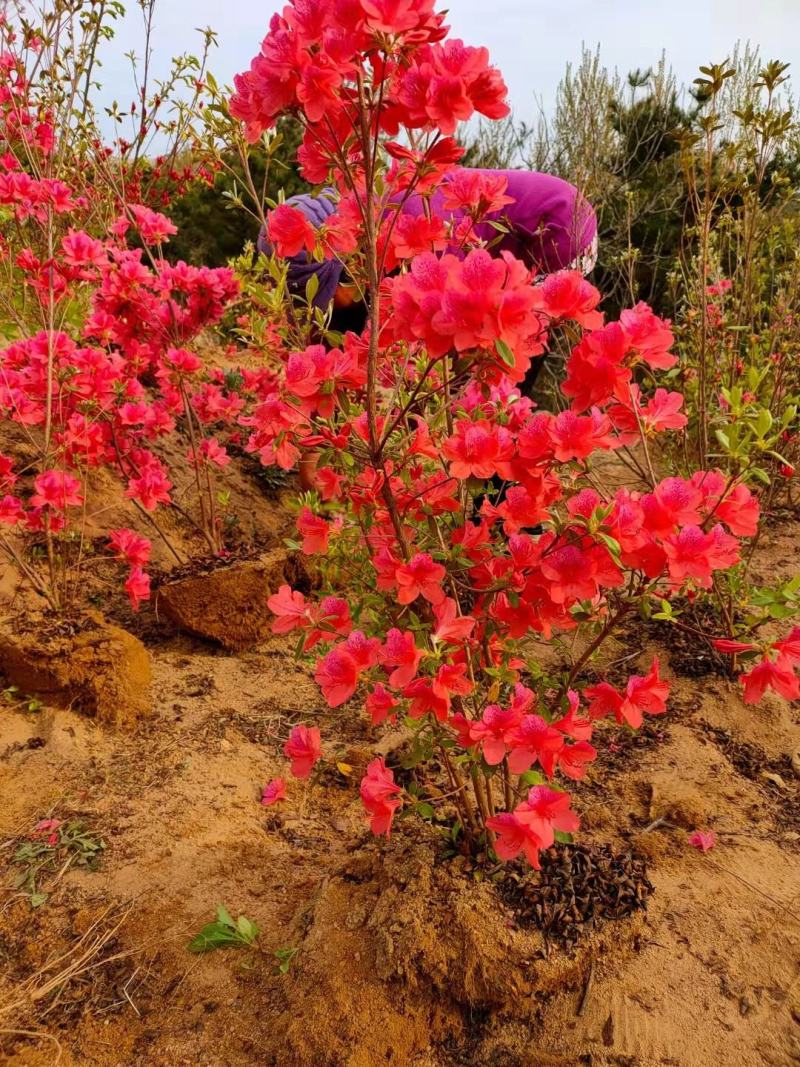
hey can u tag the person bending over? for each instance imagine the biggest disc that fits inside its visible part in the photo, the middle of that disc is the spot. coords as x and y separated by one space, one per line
549 226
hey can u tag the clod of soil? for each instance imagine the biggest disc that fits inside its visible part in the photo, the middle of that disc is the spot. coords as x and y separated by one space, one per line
401 950
86 663
228 604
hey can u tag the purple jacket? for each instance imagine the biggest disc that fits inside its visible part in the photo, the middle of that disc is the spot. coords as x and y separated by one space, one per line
551 223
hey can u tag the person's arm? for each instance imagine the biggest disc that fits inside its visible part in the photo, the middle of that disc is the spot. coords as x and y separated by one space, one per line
317 209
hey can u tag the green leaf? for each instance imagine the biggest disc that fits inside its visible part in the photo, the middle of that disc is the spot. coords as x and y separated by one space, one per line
505 353
530 778
611 544
763 422
247 929
312 288
37 899
723 438
565 839
224 917
284 956
782 611
224 932
212 936
425 810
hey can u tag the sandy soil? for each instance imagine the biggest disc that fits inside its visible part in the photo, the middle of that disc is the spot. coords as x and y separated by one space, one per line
402 959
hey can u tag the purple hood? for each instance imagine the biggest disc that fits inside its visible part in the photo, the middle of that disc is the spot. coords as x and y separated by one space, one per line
551 223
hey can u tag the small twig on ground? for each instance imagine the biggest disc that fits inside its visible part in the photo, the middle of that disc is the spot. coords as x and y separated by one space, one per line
660 821
127 994
42 1034
587 989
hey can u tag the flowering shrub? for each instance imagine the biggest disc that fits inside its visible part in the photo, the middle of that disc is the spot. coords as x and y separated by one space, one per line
95 368
736 337
734 308
440 587
697 210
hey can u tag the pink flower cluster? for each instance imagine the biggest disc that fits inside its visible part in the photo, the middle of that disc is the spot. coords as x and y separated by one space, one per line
90 392
313 54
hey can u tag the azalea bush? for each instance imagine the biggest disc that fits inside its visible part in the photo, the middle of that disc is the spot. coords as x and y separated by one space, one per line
95 367
695 194
737 281
733 292
440 588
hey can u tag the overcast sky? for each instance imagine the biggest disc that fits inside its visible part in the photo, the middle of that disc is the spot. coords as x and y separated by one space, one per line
530 40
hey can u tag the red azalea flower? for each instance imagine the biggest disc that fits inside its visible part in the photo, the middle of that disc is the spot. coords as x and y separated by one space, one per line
337 676
137 587
58 490
420 577
273 792
129 545
400 651
379 796
289 605
770 674
289 231
315 532
304 749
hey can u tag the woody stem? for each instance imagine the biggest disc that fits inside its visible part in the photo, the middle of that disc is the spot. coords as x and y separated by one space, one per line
458 784
609 626
480 796
507 785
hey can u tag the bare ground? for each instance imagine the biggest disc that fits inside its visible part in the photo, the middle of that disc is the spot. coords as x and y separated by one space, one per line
403 959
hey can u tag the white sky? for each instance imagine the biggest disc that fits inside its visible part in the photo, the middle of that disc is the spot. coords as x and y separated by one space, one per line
530 40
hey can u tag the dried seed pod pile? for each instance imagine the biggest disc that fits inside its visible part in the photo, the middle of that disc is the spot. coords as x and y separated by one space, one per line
578 887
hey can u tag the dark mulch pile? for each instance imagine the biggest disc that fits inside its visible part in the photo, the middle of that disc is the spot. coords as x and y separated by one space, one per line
752 762
578 887
49 626
205 564
621 744
690 655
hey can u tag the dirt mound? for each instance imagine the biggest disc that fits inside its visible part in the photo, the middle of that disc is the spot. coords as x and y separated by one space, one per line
399 950
89 664
228 605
